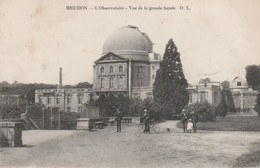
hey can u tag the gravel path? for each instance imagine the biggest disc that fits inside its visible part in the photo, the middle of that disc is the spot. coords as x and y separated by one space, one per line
107 148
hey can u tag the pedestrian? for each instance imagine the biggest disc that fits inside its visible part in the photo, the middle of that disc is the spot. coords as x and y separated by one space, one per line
146 122
24 119
194 118
189 126
118 120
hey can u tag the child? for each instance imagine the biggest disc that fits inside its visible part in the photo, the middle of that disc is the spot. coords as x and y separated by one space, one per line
189 126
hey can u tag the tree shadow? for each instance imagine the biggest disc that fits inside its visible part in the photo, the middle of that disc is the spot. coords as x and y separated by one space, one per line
27 146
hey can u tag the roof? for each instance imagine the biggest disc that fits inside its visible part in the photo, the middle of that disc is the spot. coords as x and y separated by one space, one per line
128 38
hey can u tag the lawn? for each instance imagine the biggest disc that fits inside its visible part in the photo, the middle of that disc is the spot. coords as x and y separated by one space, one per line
230 123
251 159
237 123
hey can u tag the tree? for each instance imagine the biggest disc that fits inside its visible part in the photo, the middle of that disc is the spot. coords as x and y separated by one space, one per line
170 84
91 99
101 103
253 75
84 85
222 108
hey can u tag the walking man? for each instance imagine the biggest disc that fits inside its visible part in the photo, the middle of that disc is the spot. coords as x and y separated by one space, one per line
118 120
146 122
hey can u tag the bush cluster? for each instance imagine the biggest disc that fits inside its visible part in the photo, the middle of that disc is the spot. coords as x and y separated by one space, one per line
204 111
131 107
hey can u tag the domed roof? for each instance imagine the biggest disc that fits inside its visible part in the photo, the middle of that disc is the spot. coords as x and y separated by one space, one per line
128 38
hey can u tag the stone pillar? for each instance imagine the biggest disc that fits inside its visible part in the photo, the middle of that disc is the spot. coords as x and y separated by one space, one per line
11 134
83 124
242 101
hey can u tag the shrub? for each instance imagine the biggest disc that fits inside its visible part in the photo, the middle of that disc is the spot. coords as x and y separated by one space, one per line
204 111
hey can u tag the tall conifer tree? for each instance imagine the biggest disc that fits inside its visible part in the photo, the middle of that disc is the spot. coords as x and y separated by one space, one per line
222 108
170 84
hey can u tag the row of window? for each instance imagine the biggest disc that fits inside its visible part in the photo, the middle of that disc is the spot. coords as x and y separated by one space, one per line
69 109
111 69
111 82
120 82
138 95
120 69
79 109
57 100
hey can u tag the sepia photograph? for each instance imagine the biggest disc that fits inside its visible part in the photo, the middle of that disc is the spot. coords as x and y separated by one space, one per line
129 83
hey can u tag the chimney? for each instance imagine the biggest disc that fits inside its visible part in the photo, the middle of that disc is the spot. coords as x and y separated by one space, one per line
60 81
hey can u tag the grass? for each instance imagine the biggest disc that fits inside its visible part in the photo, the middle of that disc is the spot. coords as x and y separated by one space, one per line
251 159
230 123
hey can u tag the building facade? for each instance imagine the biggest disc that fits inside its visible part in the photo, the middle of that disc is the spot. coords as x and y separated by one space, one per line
205 91
243 96
127 64
69 100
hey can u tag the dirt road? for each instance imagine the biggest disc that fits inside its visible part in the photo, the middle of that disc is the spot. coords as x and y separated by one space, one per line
107 148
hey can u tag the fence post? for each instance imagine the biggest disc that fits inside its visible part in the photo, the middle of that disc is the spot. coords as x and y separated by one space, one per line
59 120
51 118
43 118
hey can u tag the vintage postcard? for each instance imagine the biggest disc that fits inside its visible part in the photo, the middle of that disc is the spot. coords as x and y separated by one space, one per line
129 83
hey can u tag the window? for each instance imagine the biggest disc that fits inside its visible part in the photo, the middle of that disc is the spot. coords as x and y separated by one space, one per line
79 109
215 98
80 99
40 100
111 69
68 100
120 68
203 97
149 95
140 69
102 70
141 82
153 77
68 109
155 57
57 100
153 68
190 98
137 95
121 82
102 82
49 100
238 83
111 82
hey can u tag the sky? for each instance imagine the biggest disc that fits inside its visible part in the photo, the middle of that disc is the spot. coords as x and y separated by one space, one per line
216 38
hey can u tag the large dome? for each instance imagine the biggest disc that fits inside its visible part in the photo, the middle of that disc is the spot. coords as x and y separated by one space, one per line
128 39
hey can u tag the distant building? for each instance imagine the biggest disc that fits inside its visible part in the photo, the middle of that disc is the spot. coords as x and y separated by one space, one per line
243 96
67 99
239 85
205 91
10 99
238 95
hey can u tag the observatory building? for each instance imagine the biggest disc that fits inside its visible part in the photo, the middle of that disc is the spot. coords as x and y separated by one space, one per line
127 64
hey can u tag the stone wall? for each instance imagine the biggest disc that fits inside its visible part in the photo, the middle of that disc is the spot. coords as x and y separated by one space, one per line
10 134
244 100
